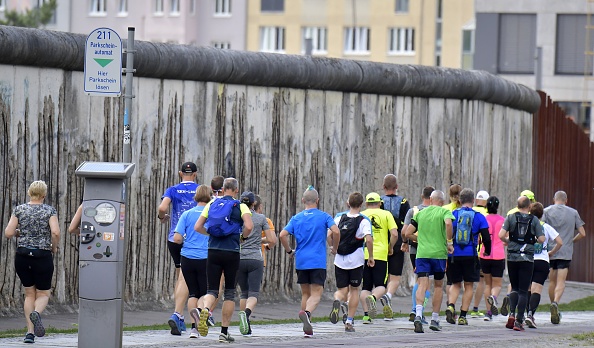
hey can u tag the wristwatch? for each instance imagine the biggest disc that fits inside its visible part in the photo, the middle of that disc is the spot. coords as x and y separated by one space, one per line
290 252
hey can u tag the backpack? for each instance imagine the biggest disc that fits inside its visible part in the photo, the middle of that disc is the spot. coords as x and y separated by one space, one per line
348 227
219 222
392 204
463 235
522 233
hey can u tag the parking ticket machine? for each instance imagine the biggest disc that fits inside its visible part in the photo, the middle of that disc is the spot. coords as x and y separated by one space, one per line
102 253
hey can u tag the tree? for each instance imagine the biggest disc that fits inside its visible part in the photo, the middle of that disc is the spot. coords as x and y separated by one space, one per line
31 18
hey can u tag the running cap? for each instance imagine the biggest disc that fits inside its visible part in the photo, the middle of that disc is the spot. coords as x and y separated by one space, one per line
482 195
373 197
528 194
189 167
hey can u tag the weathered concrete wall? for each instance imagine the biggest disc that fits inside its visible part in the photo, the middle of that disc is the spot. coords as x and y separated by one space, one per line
276 141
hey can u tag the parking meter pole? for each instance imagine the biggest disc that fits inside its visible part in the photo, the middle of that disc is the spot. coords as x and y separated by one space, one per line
129 70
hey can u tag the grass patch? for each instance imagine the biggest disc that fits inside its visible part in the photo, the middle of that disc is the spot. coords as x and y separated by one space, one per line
583 304
587 337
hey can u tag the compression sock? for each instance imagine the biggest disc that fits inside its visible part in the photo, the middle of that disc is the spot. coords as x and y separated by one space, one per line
414 297
248 312
534 302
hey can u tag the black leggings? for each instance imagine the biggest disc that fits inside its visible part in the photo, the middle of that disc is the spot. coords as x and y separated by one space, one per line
520 277
194 271
219 262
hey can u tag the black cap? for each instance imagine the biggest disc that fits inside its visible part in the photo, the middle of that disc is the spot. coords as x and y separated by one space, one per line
247 197
189 167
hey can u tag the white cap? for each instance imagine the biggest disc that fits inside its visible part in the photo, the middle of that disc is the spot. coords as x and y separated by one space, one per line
482 195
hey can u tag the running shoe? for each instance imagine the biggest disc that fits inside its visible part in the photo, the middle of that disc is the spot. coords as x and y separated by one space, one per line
344 307
555 317
243 323
202 325
226 338
367 319
450 315
193 333
307 329
462 321
530 322
371 306
249 333
492 301
435 325
510 322
505 306
424 321
348 327
211 320
488 317
418 325
29 338
518 326
182 327
38 328
175 324
476 314
334 313
387 304
195 315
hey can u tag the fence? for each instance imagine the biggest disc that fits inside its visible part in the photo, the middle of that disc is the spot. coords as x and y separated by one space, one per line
563 159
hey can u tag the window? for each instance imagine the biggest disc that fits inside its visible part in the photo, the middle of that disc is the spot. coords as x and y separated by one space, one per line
356 40
401 6
123 8
272 5
222 7
158 7
402 40
2 5
571 45
222 44
98 7
319 39
467 48
174 9
272 39
517 42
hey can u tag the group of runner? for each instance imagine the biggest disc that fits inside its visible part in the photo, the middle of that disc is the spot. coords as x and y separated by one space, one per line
465 240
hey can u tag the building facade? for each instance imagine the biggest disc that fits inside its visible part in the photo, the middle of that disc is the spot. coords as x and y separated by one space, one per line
428 32
546 45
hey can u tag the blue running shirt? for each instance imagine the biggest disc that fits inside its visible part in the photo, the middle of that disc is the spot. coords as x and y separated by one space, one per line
182 199
310 228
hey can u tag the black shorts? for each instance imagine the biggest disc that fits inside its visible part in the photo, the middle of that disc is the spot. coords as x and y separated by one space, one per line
194 271
311 276
560 264
540 273
35 271
413 260
493 267
346 277
376 275
463 268
175 252
396 262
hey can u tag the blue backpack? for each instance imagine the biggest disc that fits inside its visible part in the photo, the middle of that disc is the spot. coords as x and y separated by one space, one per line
219 222
464 227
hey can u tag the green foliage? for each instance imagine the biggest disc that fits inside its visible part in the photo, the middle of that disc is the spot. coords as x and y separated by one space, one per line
583 304
31 18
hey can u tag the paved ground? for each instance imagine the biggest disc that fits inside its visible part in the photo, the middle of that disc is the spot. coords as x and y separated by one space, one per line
380 334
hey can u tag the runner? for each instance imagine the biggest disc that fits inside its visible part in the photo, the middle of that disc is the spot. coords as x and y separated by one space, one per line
385 236
309 229
493 265
542 253
434 239
355 231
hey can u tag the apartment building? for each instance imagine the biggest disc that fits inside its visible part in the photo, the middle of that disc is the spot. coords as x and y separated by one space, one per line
60 20
511 34
217 23
428 32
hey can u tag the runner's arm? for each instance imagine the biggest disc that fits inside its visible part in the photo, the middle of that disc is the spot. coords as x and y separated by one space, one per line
335 238
199 226
409 233
558 245
163 210
581 234
486 238
75 223
284 238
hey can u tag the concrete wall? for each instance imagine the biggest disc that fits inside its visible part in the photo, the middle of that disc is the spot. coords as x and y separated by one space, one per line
343 136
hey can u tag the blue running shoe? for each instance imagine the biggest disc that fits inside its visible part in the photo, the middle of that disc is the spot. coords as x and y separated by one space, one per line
175 325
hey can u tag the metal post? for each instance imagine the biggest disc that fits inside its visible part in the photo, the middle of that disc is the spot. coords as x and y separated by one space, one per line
538 69
129 70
